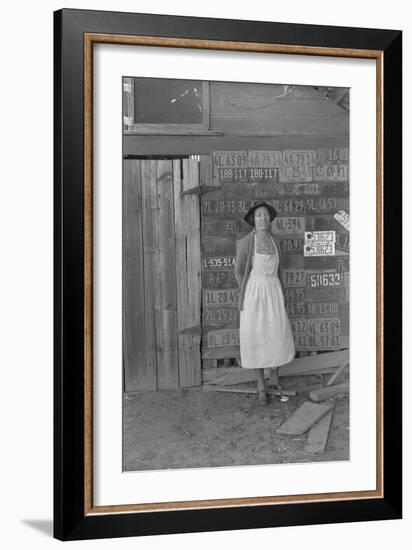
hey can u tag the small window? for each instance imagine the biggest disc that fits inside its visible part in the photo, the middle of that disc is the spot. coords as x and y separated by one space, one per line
164 105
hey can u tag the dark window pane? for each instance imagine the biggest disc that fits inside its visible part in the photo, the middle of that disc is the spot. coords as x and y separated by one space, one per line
167 101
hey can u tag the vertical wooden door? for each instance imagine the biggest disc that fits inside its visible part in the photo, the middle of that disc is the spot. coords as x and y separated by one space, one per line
161 277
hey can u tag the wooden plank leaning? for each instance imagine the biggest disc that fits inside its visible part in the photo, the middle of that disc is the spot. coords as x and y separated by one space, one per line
304 418
318 434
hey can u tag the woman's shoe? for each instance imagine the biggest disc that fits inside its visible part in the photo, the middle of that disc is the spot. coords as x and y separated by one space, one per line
262 397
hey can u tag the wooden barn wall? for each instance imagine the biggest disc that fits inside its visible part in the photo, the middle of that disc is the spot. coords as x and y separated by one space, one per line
161 275
291 148
276 110
167 146
309 189
255 116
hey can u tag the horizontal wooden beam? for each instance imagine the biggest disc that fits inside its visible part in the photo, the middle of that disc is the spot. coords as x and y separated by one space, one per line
248 390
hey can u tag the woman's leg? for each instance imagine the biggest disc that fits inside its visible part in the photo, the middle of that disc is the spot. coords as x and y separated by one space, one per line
275 378
261 386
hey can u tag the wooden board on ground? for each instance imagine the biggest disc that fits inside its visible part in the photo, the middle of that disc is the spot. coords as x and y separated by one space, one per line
318 434
216 373
239 377
325 393
245 388
308 388
304 418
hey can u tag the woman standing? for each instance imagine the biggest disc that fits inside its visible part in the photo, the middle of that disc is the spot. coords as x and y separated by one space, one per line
266 339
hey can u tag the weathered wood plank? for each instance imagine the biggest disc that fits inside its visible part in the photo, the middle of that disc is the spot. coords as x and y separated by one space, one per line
185 144
211 374
337 374
220 353
206 173
188 284
139 374
165 280
190 176
308 388
239 377
128 104
245 375
303 418
314 363
150 246
134 353
245 389
318 434
325 393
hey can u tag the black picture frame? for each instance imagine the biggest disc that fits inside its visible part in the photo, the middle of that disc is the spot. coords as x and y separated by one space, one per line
73 517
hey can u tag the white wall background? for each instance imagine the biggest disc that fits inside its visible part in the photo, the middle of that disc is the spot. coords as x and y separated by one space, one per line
26 323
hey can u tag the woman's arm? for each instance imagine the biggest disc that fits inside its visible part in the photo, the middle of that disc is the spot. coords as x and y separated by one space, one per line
240 263
281 265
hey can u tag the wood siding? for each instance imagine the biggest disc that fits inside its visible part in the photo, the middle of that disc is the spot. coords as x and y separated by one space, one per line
155 263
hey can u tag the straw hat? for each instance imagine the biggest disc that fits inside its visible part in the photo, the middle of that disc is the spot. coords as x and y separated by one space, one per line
250 214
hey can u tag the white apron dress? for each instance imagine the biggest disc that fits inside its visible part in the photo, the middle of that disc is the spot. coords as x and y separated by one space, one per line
266 339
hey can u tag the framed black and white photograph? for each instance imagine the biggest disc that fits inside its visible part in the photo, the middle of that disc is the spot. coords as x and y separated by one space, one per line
227 221
221 154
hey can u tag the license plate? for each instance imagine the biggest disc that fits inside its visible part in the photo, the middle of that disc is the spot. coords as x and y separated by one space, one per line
247 175
296 174
315 309
228 207
343 218
223 227
296 308
293 277
330 341
230 159
220 315
227 296
218 245
324 205
324 326
222 338
332 172
295 293
297 158
288 225
324 279
336 155
265 159
298 326
218 279
219 263
291 246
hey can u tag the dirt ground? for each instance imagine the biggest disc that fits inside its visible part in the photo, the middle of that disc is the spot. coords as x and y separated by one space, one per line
193 428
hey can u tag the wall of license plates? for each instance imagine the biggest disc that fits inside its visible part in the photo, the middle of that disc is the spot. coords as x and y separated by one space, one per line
310 192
